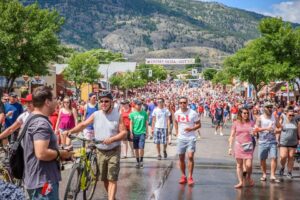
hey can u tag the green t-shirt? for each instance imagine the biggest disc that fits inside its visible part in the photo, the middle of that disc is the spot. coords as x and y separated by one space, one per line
139 120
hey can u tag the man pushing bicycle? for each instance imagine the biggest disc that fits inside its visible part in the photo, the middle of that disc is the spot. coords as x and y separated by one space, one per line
109 128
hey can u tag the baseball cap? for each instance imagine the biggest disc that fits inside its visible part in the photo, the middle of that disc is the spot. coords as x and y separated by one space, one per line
267 103
124 101
12 94
91 94
138 102
27 99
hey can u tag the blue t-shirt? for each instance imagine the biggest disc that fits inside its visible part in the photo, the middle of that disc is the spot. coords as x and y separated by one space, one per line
17 110
193 106
89 112
219 113
151 107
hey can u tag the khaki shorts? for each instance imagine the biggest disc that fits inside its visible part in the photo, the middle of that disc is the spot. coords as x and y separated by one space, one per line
109 164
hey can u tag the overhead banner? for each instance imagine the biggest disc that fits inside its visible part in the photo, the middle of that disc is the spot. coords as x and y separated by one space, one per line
162 61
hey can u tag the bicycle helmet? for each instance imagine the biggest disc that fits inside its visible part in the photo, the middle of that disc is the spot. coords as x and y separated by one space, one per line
106 94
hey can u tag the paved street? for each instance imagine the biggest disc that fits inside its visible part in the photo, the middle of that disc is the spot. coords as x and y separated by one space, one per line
214 176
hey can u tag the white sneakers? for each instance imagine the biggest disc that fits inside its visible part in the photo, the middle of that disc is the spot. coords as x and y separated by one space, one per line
221 133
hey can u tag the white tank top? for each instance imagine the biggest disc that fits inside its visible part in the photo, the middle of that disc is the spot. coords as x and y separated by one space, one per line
106 126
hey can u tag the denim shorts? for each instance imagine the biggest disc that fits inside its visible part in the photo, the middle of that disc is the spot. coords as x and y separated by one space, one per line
36 194
160 136
267 150
186 145
139 141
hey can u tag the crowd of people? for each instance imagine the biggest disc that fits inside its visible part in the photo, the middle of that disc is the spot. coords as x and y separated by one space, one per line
159 112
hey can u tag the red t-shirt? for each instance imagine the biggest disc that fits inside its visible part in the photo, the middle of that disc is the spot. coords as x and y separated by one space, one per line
126 120
200 109
234 110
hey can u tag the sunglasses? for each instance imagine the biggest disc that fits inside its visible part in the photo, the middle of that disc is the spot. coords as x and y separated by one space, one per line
183 102
66 102
105 101
291 115
269 107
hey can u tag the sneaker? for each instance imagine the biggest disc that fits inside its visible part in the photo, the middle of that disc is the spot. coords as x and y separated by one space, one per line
216 133
137 165
289 175
141 165
159 157
281 172
165 154
221 134
182 180
191 181
199 137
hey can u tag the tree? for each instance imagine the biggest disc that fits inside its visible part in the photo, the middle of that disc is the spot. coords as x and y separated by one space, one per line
105 56
82 68
209 74
127 80
222 77
197 65
250 64
28 40
283 43
158 72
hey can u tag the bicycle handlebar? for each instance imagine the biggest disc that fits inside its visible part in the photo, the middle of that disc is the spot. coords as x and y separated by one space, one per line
73 137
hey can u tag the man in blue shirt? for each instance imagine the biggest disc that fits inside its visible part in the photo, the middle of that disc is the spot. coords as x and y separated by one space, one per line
12 110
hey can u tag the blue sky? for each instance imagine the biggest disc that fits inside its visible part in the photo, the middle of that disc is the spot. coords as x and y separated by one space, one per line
287 9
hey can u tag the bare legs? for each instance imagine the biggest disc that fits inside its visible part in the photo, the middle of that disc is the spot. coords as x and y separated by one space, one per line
111 188
190 164
287 155
239 172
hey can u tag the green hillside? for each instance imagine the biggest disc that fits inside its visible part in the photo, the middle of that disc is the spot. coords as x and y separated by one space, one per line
138 27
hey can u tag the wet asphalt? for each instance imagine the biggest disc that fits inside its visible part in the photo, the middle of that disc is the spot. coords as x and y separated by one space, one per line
214 176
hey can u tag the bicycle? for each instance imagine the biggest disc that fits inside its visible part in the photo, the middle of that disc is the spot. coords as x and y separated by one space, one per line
85 172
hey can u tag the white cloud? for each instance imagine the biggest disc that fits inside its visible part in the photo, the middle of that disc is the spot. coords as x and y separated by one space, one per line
288 10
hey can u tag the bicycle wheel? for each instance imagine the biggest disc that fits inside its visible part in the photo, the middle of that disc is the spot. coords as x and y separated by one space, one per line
73 184
92 179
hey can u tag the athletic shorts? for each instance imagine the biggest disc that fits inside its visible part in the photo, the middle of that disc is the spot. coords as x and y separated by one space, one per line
109 163
267 150
219 122
233 116
139 141
186 145
160 136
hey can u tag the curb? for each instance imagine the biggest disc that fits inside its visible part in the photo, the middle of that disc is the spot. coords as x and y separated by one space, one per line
155 193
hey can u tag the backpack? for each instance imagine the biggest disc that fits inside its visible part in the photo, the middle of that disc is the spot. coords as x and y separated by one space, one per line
16 156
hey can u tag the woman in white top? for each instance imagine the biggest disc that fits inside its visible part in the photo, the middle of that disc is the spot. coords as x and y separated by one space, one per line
20 120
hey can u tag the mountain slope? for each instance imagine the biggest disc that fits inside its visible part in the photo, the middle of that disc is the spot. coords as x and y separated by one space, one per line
136 27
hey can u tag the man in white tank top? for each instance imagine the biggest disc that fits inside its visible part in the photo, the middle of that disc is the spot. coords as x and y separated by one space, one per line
109 128
267 143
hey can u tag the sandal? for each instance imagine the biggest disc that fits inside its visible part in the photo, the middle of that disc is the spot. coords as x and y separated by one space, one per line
274 180
263 178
